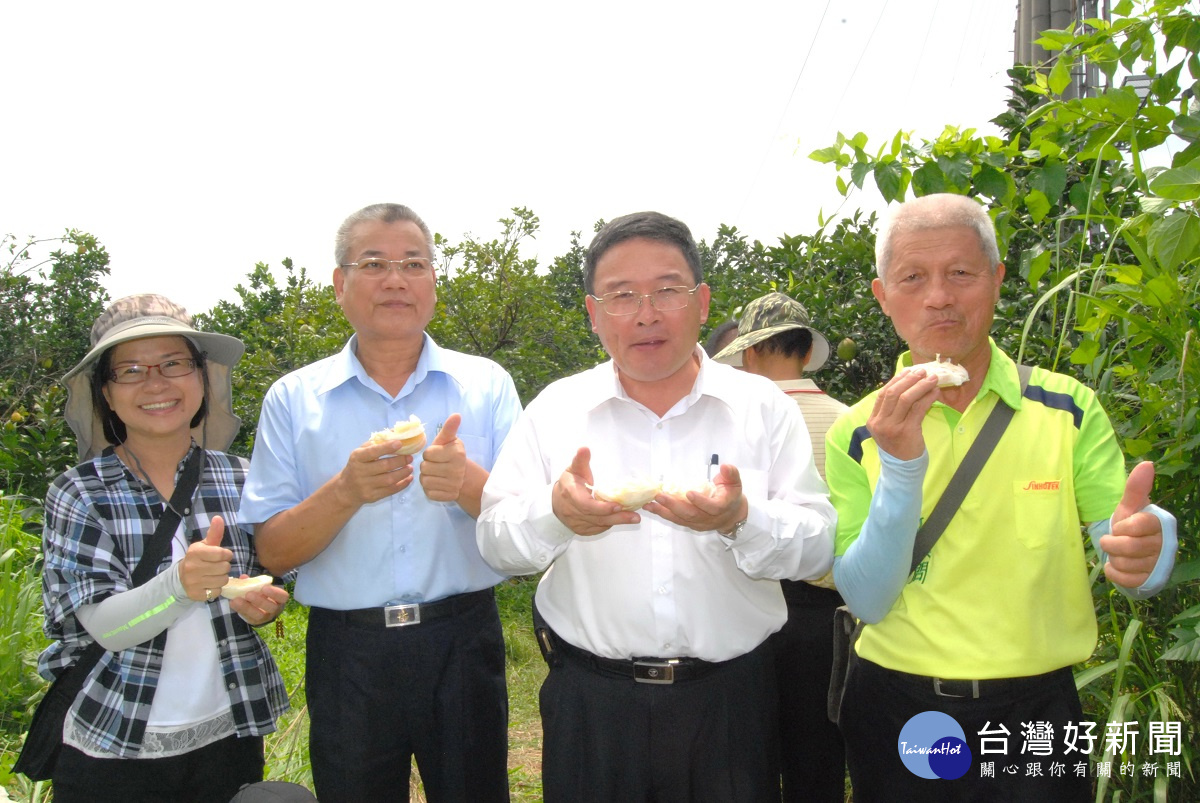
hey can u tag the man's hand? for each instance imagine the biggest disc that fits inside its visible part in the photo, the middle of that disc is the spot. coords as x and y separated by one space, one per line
901 405
1135 542
372 472
719 510
206 565
444 463
574 506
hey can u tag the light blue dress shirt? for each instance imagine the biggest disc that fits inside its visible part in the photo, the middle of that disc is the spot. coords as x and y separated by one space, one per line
404 548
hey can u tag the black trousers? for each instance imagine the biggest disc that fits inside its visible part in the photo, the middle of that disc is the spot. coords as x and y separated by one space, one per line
879 702
609 738
379 696
212 774
812 756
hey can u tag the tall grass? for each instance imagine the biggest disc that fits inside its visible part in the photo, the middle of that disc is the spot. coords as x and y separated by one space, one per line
20 632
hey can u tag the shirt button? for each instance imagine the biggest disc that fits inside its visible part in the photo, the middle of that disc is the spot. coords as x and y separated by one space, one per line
402 548
233 685
961 430
662 589
658 425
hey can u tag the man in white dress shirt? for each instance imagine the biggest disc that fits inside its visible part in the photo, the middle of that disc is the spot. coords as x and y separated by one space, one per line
655 621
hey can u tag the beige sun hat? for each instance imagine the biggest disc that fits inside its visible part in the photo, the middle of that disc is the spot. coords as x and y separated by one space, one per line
149 315
767 316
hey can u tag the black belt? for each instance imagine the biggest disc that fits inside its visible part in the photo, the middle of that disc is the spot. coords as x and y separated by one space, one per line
414 613
798 592
663 671
974 689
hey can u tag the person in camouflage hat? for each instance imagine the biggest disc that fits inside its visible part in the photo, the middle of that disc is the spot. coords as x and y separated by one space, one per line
776 340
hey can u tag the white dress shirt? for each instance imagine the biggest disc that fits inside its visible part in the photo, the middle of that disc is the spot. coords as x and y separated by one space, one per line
656 588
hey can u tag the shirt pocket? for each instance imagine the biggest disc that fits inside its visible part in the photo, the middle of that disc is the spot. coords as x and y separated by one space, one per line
1038 511
478 448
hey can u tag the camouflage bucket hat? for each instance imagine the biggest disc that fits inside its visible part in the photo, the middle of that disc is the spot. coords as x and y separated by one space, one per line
148 315
768 316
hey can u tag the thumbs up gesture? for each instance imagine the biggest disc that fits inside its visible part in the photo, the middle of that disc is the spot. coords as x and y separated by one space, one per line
205 567
574 505
444 463
1135 542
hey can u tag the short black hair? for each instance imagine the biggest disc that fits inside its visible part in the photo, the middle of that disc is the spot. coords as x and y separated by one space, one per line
643 225
713 345
795 343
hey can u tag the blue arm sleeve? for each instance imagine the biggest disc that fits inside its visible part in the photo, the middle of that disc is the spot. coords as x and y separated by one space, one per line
1166 558
872 572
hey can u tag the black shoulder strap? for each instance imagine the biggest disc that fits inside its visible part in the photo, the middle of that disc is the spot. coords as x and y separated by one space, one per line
964 476
157 545
181 502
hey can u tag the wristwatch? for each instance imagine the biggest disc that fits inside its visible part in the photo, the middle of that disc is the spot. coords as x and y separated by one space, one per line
736 531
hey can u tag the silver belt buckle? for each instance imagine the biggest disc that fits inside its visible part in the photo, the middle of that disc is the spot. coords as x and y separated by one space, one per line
661 672
402 615
937 689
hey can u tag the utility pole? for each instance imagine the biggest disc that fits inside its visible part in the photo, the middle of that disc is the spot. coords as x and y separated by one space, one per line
1035 16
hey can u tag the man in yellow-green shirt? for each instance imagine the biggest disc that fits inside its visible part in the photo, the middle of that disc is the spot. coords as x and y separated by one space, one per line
986 628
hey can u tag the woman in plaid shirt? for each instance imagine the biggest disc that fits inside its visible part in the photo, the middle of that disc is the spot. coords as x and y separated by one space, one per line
176 707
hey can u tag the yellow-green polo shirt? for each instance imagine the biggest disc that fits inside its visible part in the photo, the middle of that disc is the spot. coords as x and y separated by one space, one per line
1004 592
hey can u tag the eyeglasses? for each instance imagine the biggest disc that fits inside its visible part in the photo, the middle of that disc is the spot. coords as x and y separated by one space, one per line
664 299
135 374
375 268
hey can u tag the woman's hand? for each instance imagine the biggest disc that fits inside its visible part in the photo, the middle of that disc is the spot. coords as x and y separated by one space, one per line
260 607
204 570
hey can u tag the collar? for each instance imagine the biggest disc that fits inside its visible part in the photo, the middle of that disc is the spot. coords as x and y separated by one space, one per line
1001 376
798 386
345 366
710 381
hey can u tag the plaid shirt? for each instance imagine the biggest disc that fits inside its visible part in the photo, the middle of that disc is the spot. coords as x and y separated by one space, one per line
98 516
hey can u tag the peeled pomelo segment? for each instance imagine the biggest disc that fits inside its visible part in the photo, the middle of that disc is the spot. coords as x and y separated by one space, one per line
238 586
410 434
630 495
949 374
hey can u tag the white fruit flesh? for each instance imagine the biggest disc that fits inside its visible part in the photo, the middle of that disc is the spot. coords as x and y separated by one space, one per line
238 586
630 495
410 434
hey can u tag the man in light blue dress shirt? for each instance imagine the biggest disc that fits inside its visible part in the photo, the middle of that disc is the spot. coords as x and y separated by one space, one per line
405 656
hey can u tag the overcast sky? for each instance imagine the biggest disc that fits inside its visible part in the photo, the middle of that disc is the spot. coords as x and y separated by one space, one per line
196 140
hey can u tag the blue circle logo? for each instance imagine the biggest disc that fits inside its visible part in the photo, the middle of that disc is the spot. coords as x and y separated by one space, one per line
932 745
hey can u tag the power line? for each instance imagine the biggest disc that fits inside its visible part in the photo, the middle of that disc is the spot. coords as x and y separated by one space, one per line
782 115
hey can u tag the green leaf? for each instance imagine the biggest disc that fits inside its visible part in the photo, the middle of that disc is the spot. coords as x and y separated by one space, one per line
1060 73
1174 239
1178 183
1038 266
992 183
826 155
1085 352
957 170
1123 8
1037 205
1093 672
1050 179
1186 127
928 179
890 179
1184 650
1136 447
859 172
